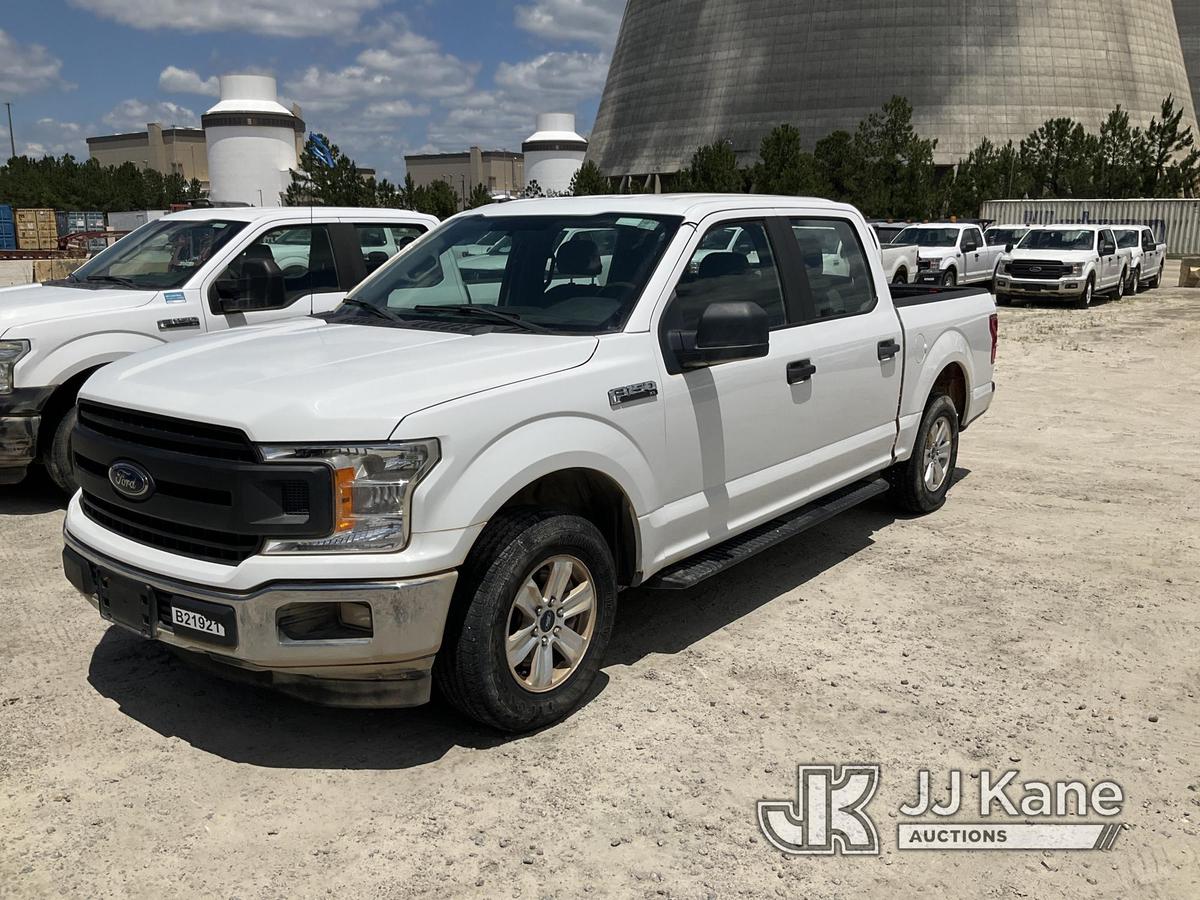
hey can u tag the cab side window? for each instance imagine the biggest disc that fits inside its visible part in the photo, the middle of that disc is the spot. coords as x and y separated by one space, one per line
835 265
733 262
379 241
301 254
1148 242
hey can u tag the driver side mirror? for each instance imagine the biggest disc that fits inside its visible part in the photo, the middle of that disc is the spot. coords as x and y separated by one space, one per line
259 287
1008 248
1108 249
728 331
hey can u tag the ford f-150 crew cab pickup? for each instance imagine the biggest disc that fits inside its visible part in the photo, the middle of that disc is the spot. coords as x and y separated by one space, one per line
952 253
1064 262
185 274
1147 256
447 480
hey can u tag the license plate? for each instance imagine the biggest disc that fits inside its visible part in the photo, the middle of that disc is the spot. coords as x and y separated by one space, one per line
128 603
200 620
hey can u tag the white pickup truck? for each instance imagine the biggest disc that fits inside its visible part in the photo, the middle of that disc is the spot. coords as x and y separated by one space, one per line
1064 262
183 275
1147 256
424 487
952 253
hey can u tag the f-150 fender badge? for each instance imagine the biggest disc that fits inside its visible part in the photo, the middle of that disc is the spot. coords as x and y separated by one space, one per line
187 322
646 390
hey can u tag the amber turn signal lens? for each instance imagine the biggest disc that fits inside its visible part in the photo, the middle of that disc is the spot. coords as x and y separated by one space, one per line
344 498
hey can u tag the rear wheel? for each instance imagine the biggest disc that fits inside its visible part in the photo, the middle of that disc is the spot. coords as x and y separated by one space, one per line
950 278
901 277
532 616
57 457
919 484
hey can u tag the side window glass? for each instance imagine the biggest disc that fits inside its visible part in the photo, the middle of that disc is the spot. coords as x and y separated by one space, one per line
379 242
302 254
732 263
839 276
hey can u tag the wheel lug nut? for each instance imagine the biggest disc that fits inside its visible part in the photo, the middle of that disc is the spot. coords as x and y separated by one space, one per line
544 641
557 629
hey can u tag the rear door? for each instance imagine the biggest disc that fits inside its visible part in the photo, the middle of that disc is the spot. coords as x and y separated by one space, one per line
1152 254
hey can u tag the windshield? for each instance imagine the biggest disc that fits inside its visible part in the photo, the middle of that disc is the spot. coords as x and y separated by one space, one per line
159 255
563 273
1128 239
929 237
999 237
1059 239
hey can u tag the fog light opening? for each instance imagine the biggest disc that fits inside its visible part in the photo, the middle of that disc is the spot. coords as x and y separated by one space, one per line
324 621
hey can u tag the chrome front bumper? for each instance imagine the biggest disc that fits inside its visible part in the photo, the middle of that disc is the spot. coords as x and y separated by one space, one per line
391 667
1024 287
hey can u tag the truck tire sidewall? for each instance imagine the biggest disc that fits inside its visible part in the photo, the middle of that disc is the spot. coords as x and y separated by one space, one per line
908 481
57 458
1119 290
901 276
1089 289
487 690
1135 281
950 278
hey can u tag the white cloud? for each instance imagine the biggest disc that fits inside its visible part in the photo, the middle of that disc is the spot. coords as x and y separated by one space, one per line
187 81
279 18
394 109
46 137
134 115
558 74
588 21
28 68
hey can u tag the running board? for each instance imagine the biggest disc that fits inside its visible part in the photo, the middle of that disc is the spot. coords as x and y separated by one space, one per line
707 563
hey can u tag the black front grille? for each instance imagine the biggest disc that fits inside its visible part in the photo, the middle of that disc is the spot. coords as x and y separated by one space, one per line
1038 269
163 433
175 537
212 497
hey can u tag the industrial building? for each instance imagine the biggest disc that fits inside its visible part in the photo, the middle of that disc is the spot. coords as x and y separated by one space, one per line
554 152
1187 17
996 69
501 171
164 150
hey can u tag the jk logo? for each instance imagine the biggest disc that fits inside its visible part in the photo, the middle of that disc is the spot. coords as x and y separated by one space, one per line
828 814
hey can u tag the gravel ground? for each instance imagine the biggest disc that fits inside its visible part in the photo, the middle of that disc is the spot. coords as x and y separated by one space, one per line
1045 620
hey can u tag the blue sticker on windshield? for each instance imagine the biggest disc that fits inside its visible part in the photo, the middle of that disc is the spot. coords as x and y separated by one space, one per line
174 297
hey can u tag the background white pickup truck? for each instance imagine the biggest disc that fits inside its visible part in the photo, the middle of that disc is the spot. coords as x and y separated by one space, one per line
423 487
1147 256
1064 262
900 262
952 253
183 275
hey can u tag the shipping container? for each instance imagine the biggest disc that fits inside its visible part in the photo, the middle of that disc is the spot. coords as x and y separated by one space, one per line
60 223
1177 222
6 214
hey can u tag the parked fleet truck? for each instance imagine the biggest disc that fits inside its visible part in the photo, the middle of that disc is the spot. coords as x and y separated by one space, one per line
448 478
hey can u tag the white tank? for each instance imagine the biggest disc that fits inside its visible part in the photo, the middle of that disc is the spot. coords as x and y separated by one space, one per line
251 139
554 153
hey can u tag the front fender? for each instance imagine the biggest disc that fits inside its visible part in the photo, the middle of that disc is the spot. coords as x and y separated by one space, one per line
80 354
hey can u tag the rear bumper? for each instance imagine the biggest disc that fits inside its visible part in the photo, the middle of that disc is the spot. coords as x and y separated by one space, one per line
390 667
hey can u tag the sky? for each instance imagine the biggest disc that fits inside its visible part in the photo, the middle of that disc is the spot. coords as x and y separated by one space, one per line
381 77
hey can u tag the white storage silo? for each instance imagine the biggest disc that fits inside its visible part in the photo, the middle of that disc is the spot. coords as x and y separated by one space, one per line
251 139
554 153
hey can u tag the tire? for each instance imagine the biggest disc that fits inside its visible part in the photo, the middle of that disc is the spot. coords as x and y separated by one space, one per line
1119 290
950 278
914 485
901 277
1089 290
517 549
1156 280
57 455
1004 300
1135 282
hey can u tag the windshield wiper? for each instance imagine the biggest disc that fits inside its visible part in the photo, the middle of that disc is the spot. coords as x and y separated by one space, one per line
489 312
380 311
113 279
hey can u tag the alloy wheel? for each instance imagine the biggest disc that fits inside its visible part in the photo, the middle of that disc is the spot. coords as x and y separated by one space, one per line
550 624
937 454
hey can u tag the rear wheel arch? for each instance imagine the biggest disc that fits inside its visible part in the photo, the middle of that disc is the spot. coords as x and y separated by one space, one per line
952 382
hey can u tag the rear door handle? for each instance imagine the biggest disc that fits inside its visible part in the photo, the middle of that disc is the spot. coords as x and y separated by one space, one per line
801 370
888 349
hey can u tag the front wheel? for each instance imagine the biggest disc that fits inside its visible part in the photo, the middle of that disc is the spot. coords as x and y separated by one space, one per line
919 484
532 616
1004 300
1135 282
950 279
1085 299
1119 290
59 464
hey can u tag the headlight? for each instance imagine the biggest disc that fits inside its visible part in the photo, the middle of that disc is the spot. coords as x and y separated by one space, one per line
373 486
1004 268
10 352
1077 269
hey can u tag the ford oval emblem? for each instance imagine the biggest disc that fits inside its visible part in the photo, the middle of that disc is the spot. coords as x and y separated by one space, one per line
130 480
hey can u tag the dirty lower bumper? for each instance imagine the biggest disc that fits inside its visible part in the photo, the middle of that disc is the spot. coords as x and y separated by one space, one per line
239 635
20 419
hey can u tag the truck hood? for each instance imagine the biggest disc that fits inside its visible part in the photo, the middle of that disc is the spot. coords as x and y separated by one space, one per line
28 304
311 381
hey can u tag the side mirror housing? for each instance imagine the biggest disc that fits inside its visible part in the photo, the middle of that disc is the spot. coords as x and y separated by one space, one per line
259 287
727 332
1008 248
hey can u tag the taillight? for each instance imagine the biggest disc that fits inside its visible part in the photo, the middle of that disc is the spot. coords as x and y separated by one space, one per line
994 327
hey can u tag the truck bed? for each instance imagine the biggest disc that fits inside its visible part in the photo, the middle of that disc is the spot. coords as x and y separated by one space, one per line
916 294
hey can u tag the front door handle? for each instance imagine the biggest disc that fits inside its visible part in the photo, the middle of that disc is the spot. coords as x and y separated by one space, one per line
801 370
888 349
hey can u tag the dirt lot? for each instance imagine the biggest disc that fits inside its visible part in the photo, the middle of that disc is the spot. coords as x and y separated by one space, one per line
1038 622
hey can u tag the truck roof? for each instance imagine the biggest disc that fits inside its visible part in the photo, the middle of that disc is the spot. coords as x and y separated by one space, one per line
692 207
258 213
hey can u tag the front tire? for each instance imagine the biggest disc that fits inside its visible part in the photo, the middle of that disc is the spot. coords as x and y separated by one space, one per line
1135 282
60 465
1089 290
1119 290
532 616
919 484
950 278
1004 300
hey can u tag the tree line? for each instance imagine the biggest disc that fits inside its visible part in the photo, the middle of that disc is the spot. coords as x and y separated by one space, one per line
886 169
65 183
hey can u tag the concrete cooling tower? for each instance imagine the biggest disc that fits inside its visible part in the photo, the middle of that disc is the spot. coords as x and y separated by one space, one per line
689 72
1187 15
